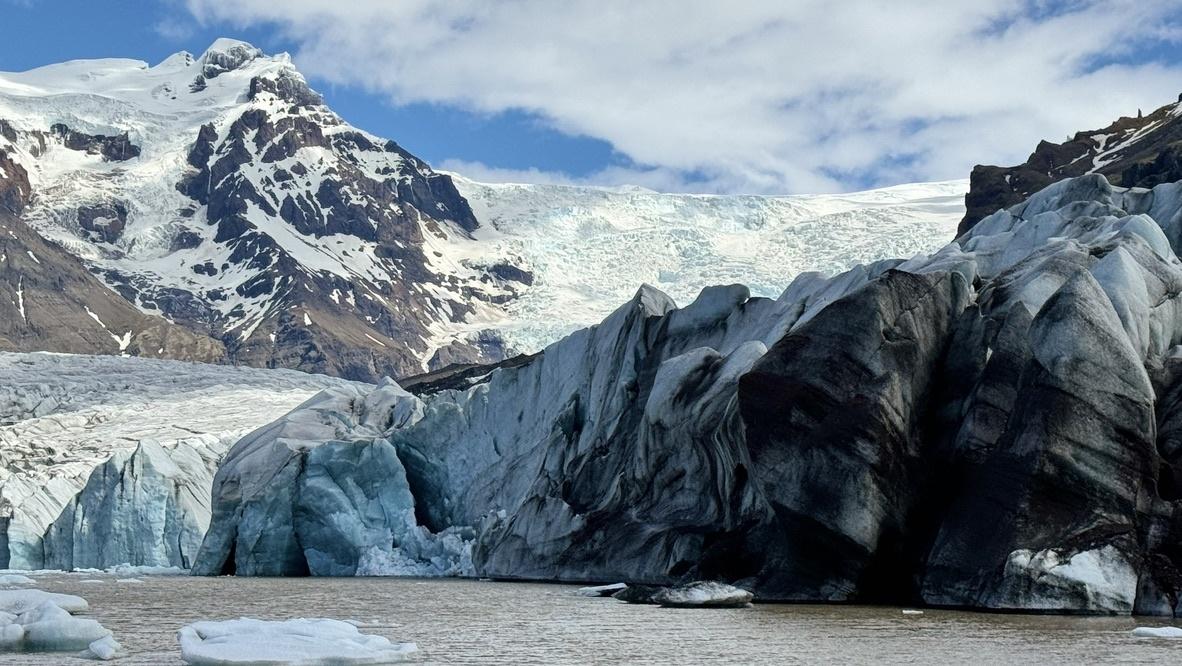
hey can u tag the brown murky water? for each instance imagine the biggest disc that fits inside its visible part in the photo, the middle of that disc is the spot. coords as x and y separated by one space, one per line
473 622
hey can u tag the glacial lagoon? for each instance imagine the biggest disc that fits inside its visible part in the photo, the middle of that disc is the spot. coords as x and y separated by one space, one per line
476 622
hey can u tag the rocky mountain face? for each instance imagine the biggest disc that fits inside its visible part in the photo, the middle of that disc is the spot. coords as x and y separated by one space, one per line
1132 152
219 193
990 426
48 299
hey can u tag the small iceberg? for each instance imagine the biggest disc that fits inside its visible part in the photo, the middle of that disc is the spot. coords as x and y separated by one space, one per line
704 594
601 590
9 580
1158 632
307 642
16 602
38 621
912 611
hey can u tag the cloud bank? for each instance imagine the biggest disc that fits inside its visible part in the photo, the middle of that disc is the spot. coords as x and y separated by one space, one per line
755 96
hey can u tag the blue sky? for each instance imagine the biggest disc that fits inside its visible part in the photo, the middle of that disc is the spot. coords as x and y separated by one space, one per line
759 96
39 32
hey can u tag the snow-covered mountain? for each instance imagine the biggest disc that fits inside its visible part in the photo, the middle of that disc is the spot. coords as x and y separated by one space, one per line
220 193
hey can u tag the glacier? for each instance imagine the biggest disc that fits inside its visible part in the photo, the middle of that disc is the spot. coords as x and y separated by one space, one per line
108 460
841 442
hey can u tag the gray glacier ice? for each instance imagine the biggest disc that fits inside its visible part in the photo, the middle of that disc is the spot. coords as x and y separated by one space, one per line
107 461
994 425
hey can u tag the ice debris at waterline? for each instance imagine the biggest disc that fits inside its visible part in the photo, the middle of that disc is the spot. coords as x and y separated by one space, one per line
698 594
306 642
1158 632
703 594
37 621
638 594
11 580
600 590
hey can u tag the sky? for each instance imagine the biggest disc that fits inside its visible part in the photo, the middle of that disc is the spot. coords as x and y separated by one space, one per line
750 96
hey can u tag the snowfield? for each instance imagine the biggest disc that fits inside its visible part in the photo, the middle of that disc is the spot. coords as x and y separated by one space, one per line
591 248
61 416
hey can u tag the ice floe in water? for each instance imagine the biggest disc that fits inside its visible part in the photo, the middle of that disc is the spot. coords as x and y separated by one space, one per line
1158 632
38 621
601 590
9 580
703 594
307 642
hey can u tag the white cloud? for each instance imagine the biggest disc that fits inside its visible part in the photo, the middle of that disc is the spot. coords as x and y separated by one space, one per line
767 96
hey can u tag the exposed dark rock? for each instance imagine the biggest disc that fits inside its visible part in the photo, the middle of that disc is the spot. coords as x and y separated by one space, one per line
226 55
512 273
1131 152
482 349
104 221
113 148
639 594
49 302
286 85
15 191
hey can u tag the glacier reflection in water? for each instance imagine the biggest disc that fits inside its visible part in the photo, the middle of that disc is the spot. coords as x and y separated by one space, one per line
466 621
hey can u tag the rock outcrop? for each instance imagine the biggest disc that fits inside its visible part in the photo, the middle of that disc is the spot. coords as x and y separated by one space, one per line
1131 152
990 426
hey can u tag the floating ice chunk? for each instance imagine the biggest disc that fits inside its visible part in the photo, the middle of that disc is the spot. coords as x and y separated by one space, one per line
42 625
21 601
307 642
132 570
15 579
911 611
11 635
49 628
104 649
1158 632
601 590
704 594
128 580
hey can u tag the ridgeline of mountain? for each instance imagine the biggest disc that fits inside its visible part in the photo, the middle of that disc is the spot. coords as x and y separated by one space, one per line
1132 152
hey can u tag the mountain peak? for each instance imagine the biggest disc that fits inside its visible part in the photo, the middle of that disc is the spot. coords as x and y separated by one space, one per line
226 47
226 55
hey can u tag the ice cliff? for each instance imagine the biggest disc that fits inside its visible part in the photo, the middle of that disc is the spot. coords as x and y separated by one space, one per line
994 426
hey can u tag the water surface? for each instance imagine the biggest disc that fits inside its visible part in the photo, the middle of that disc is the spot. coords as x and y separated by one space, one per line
474 622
